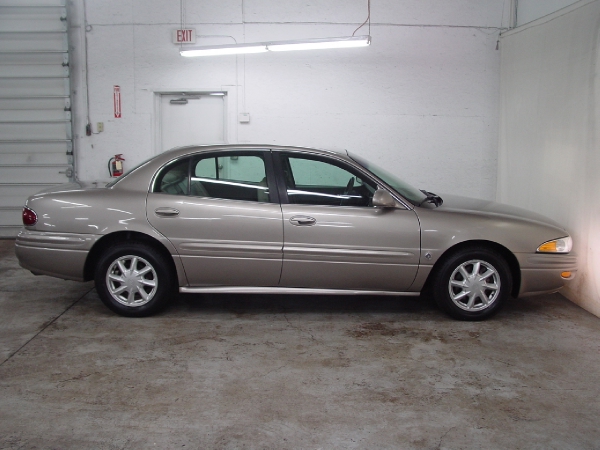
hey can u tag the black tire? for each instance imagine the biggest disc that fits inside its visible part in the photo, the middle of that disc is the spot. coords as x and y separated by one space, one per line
464 296
134 294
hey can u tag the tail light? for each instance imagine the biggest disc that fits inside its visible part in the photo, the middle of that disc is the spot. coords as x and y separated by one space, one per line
29 217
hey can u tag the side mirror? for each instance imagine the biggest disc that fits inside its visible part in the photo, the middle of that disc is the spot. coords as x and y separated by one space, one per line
383 199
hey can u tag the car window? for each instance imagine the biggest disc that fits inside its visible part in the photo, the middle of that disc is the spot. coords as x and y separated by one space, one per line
316 182
235 177
173 178
412 194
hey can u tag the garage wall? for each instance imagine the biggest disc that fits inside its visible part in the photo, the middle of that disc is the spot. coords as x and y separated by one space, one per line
548 159
530 10
423 99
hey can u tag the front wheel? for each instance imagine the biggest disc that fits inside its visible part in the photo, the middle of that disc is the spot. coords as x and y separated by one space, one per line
134 280
472 284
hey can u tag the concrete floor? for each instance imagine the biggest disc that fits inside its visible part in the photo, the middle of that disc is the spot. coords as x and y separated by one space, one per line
290 372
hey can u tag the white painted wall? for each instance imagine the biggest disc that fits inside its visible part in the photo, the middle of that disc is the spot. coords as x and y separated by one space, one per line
530 10
423 99
550 117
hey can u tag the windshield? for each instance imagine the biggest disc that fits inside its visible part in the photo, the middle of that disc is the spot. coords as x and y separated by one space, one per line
116 180
412 194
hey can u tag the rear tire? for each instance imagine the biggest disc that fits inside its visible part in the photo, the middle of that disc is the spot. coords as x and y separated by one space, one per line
134 280
472 284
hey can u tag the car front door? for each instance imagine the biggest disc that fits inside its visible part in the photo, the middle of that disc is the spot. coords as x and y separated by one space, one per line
334 238
222 213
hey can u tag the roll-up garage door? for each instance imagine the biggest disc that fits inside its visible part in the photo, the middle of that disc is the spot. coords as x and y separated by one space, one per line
36 149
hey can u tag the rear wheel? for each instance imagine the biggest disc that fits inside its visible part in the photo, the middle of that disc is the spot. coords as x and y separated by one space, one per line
472 284
134 280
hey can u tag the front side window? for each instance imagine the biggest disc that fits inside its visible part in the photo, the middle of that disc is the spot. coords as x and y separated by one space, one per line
235 177
316 182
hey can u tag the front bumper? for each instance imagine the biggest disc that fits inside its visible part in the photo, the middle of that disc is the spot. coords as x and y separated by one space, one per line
542 273
60 255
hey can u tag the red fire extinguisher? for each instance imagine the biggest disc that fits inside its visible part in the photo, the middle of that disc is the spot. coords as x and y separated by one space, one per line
115 165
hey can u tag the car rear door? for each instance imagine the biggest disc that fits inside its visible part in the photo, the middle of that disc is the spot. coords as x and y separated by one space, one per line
333 237
222 213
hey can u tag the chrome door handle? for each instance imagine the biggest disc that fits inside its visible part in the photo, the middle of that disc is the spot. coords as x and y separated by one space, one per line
303 220
166 212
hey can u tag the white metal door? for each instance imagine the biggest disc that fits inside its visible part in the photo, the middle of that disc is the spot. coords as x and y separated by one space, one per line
35 107
191 119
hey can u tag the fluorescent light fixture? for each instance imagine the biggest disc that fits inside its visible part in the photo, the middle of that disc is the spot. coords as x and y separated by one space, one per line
281 46
233 49
315 44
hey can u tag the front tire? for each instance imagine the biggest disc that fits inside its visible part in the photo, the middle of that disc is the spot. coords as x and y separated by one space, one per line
472 284
134 280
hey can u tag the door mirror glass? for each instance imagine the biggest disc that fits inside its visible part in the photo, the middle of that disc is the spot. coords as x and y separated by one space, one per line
383 199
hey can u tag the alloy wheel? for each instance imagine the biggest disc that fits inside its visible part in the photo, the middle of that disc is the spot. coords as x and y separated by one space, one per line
131 280
474 285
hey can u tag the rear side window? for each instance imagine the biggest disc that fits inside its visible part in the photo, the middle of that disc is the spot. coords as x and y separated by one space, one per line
235 177
174 178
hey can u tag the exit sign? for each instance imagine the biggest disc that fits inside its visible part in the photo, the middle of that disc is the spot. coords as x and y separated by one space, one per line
184 36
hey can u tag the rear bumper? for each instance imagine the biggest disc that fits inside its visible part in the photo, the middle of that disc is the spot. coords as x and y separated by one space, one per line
542 273
60 255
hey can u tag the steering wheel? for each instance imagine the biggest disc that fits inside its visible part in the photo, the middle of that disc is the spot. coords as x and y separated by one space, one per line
349 187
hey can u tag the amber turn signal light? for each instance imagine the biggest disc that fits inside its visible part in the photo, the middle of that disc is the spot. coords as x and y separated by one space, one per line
566 274
548 247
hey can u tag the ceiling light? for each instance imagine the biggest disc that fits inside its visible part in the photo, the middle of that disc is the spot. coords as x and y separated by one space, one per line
233 49
315 44
280 46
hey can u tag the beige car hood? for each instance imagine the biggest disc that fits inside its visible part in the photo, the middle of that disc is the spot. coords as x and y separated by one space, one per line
455 203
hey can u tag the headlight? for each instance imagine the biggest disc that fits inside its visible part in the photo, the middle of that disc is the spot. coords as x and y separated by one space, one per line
562 245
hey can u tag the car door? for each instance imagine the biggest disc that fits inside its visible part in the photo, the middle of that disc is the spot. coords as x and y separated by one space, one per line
333 237
222 213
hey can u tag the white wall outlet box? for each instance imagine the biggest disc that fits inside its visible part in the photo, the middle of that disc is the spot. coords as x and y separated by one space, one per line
244 117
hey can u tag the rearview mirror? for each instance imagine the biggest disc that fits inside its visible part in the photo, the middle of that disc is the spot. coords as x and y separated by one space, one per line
383 199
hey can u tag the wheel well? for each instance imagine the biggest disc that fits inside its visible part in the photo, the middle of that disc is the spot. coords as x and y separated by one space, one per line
122 236
509 257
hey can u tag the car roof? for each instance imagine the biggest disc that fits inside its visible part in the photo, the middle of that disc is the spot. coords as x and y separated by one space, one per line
180 151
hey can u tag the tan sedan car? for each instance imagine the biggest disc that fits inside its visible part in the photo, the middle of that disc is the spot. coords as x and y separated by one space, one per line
267 219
